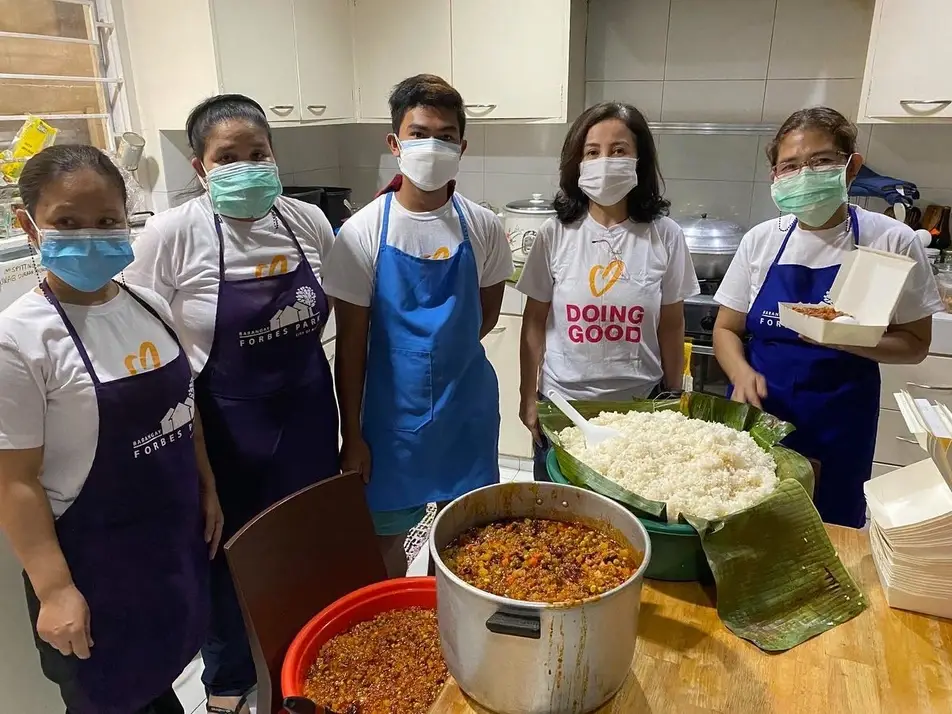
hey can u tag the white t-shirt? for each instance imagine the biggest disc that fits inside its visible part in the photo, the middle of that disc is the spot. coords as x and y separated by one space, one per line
48 398
822 249
435 234
606 287
177 256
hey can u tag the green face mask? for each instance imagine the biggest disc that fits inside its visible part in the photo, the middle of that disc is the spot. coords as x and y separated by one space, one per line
244 189
813 195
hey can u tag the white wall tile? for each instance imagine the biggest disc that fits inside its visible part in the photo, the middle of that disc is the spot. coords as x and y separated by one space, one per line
526 149
303 148
471 185
838 32
501 188
719 158
363 182
785 96
763 163
316 177
175 162
626 39
721 199
473 157
762 207
921 154
723 39
737 101
365 146
644 95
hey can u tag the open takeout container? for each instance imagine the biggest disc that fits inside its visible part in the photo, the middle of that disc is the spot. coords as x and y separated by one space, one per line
867 288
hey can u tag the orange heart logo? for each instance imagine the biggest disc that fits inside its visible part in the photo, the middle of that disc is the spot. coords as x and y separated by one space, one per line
279 266
607 275
442 253
147 352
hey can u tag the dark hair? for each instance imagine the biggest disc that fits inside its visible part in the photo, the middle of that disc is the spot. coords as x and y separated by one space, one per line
841 129
645 201
215 110
62 159
425 90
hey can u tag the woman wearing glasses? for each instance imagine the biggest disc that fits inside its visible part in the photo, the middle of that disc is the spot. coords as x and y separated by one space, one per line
605 280
831 394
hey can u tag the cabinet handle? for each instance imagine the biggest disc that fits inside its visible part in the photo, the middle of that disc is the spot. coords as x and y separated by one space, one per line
497 330
929 387
481 107
904 440
281 107
930 102
316 108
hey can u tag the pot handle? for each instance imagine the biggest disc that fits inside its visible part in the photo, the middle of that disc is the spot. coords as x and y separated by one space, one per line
515 625
300 705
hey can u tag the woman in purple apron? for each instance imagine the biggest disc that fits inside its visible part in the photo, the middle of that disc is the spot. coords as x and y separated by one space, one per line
831 394
117 584
244 288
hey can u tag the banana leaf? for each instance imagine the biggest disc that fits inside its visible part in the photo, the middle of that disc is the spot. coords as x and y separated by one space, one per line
779 581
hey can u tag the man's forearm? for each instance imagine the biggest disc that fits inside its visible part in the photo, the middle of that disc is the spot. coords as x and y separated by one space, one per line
671 342
350 368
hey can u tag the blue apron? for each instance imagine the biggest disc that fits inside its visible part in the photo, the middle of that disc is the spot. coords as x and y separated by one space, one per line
832 397
431 402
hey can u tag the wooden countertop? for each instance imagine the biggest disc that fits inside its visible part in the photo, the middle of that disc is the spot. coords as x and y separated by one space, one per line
687 662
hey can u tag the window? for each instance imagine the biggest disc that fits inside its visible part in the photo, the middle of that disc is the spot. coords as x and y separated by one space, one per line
59 60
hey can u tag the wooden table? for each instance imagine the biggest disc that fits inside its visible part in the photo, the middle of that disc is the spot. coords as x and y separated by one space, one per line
687 662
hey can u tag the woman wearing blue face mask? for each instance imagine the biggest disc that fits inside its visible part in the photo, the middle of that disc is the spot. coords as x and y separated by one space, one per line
242 267
831 394
105 492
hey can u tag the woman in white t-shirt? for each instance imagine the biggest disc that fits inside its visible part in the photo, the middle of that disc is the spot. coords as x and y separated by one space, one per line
830 394
606 280
242 267
105 492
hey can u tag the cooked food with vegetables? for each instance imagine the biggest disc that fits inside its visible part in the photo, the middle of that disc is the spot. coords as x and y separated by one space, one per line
824 312
391 664
696 467
540 560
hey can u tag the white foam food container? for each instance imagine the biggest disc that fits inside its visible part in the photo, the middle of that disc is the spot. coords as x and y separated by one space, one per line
867 288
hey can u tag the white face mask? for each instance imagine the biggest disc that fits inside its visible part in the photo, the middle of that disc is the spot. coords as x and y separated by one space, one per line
607 181
429 164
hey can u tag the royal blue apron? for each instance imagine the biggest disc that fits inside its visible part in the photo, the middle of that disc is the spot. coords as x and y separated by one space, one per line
431 403
831 396
269 413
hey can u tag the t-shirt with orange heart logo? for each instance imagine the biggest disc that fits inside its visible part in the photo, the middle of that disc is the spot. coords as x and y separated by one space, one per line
606 287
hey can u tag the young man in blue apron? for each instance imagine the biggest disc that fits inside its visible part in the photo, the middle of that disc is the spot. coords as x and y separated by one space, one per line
831 394
418 275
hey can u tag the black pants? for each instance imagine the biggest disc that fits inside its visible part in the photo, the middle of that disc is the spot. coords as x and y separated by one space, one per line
61 670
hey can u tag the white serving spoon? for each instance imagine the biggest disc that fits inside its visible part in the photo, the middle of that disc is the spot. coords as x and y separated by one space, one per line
594 434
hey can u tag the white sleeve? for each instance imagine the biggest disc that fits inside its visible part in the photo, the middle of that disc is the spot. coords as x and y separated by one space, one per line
734 290
920 295
22 401
498 266
537 280
152 265
680 280
349 268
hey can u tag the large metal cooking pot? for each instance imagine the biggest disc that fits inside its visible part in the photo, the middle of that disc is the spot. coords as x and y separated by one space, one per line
516 657
712 243
523 219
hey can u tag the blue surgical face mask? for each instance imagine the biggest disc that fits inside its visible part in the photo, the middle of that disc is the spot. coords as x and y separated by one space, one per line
244 189
85 259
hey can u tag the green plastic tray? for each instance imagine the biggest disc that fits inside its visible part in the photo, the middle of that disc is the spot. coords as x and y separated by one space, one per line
676 552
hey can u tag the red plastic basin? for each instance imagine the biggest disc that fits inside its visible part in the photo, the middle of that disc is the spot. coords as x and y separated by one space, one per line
342 614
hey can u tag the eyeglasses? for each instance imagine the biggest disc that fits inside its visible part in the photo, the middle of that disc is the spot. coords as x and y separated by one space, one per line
817 162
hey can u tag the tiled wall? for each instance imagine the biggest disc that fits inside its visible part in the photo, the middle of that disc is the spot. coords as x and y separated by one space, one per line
729 61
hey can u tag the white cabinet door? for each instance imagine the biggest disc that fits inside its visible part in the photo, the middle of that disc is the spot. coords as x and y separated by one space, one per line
510 59
256 54
325 58
502 349
910 69
393 41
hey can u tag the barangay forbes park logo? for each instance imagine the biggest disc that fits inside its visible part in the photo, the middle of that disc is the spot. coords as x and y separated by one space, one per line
177 424
297 319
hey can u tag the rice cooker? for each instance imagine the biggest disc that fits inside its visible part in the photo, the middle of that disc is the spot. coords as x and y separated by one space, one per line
523 220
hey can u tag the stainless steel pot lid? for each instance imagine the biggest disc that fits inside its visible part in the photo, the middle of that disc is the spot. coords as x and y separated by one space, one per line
537 205
711 235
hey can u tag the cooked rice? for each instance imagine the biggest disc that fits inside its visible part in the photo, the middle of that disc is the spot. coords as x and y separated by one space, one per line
698 468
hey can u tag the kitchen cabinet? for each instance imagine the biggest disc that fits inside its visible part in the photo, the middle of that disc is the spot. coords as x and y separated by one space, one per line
907 67
325 59
930 379
502 349
254 42
393 41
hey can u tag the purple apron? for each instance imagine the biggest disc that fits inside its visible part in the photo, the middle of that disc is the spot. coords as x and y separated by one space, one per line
133 540
831 396
271 428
